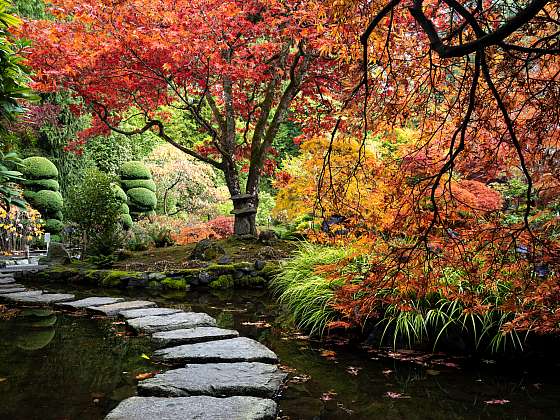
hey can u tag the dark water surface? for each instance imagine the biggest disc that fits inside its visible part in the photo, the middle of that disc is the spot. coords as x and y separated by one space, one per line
55 365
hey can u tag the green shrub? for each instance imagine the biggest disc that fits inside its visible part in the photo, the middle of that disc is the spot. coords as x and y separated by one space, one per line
135 170
125 209
38 167
142 198
126 220
96 210
53 226
307 295
149 184
47 202
119 193
42 184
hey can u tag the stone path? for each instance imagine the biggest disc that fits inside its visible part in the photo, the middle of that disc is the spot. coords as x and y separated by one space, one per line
219 375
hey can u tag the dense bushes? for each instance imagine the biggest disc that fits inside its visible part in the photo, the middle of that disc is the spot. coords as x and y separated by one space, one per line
42 191
136 181
95 207
122 198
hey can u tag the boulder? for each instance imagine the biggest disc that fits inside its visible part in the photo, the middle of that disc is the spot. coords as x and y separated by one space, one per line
207 250
57 255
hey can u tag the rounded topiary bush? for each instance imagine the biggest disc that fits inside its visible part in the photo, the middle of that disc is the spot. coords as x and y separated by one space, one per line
42 184
47 202
135 170
54 226
149 184
119 193
142 198
126 221
140 189
38 167
125 209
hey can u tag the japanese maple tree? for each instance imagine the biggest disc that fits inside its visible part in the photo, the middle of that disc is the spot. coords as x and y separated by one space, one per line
236 68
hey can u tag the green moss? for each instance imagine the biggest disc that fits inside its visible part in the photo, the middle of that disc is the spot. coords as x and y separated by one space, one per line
142 199
118 278
135 170
45 201
42 184
225 281
37 167
270 270
250 281
221 267
53 226
243 266
176 284
129 184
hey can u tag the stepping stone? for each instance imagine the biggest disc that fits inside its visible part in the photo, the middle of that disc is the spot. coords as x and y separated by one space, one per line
138 313
219 379
180 320
10 285
192 335
190 408
3 290
45 299
241 349
91 301
7 280
113 309
27 293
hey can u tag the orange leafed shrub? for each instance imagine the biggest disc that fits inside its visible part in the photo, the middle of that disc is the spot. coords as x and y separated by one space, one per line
219 228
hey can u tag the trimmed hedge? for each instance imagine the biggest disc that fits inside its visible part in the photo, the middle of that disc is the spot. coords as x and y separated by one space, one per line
54 225
135 170
125 209
129 184
119 192
45 201
38 167
42 184
142 197
126 221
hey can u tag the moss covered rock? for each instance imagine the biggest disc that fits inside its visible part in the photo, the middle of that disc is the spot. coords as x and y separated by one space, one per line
38 167
176 284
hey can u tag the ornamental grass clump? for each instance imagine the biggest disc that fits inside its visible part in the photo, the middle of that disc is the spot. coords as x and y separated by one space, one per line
307 294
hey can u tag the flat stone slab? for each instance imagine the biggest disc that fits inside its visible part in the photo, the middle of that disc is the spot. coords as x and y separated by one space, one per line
7 280
10 285
5 290
216 379
45 299
11 296
91 301
175 321
113 309
241 349
194 408
192 335
139 313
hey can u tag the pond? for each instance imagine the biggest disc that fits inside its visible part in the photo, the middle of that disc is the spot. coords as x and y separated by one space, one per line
56 365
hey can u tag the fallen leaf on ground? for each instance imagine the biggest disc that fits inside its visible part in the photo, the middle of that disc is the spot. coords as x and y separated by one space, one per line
258 324
329 354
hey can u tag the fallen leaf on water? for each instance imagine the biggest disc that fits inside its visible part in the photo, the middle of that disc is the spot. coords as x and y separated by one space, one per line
3 380
387 372
299 379
327 396
432 372
497 402
142 376
258 324
396 395
118 323
353 370
145 356
329 354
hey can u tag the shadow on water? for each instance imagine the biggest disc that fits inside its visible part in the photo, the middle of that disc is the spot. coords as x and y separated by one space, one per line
59 366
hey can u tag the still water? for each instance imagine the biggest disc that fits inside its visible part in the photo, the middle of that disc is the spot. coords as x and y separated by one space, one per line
55 365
